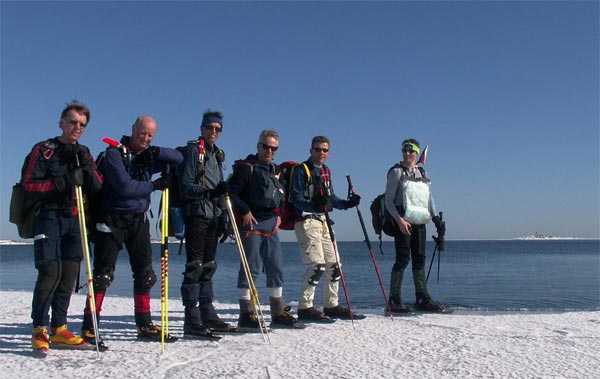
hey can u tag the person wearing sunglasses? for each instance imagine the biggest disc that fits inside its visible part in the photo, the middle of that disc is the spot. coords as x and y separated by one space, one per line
257 197
409 215
50 173
202 188
312 195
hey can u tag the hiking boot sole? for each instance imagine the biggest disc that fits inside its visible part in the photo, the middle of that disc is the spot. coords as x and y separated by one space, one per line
64 346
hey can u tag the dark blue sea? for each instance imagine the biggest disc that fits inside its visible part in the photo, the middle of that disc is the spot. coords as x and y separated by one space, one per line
547 275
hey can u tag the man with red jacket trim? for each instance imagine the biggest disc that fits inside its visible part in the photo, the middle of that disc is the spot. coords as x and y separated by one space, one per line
51 171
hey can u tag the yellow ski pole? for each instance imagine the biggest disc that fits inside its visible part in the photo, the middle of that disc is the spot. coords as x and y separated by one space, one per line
164 268
88 266
253 292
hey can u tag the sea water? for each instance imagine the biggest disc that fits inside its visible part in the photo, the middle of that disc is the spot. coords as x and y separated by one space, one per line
483 275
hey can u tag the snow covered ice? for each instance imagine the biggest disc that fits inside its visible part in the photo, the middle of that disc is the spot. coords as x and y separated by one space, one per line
465 344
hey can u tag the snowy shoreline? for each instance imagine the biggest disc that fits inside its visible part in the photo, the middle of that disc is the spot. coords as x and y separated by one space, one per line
461 345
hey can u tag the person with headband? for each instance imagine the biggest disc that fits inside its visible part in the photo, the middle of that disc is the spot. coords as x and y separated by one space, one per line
409 215
202 188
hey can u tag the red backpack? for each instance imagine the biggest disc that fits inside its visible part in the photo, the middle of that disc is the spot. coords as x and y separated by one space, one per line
289 216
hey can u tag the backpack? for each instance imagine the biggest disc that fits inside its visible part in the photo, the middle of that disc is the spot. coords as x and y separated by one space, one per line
23 206
381 219
176 203
289 214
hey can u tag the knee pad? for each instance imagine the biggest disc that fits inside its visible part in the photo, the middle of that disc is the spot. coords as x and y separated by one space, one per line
193 272
319 269
208 270
336 273
144 279
103 281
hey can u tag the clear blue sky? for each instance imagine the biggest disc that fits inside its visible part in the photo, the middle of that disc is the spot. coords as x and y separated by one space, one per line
504 93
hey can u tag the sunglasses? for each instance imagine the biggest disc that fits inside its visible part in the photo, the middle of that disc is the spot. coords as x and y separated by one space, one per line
76 123
215 128
320 150
408 151
269 147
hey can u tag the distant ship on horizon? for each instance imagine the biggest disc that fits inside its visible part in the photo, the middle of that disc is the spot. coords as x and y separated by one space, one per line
538 236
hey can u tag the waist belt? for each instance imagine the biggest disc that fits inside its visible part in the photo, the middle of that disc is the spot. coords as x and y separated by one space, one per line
256 232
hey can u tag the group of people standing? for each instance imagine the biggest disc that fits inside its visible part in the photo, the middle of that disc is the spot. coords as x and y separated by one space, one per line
119 188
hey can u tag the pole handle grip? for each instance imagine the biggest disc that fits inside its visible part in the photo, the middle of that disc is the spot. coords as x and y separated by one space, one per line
111 142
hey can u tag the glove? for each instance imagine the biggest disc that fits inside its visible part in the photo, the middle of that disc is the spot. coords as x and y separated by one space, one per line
85 160
353 201
321 203
73 178
146 157
440 226
219 190
223 229
76 177
161 183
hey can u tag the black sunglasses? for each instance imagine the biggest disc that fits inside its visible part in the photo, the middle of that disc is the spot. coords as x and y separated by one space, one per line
269 147
320 150
408 151
212 127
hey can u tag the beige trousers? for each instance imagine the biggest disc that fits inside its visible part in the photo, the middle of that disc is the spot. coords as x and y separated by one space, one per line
316 249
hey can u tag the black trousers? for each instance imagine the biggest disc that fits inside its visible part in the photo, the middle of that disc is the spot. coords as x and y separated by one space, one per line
408 247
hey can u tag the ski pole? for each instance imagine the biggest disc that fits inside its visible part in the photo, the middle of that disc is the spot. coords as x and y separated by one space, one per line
86 255
439 245
326 179
253 292
431 264
368 242
164 266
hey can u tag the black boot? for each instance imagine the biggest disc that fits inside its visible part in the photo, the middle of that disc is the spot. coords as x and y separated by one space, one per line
396 304
189 297
147 331
424 302
88 333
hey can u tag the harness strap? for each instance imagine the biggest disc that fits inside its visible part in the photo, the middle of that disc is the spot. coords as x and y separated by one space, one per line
256 232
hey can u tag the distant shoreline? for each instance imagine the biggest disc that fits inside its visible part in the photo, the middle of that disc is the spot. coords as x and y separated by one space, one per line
528 238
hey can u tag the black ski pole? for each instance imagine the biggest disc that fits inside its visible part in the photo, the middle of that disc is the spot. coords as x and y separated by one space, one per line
431 263
368 242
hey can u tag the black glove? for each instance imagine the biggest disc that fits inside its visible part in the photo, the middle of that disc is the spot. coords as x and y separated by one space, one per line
321 203
161 183
223 228
218 191
73 178
440 226
146 158
353 201
85 160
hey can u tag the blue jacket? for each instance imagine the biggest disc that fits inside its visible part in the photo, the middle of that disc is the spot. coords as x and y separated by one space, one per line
255 187
127 187
303 192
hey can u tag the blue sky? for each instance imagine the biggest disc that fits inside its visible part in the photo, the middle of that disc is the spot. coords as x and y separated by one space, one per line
505 94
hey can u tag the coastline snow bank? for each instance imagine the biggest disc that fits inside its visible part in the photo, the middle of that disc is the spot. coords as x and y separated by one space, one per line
460 345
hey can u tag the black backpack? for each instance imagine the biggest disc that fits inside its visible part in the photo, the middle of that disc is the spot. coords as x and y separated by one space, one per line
23 206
